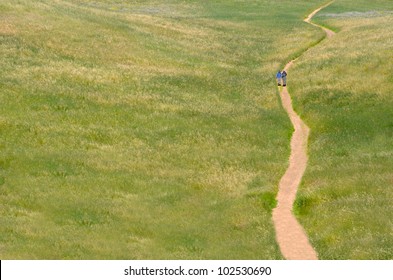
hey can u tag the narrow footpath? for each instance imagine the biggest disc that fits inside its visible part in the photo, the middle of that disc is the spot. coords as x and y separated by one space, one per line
290 235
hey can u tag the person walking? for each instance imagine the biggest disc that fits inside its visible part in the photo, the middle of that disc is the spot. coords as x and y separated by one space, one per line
278 77
284 78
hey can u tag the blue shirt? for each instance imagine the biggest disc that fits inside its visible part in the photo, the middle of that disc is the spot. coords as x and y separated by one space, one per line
278 76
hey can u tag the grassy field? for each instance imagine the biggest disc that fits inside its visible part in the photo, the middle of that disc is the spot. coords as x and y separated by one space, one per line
343 89
145 129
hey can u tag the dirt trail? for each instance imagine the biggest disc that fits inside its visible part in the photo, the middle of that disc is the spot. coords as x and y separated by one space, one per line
290 235
328 32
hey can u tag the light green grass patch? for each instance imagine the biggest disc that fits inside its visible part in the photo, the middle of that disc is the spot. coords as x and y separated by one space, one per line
342 88
143 129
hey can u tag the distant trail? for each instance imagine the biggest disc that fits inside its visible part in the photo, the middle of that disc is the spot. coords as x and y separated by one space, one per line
290 235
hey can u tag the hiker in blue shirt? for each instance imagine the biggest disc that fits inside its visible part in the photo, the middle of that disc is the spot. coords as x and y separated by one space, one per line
284 78
278 77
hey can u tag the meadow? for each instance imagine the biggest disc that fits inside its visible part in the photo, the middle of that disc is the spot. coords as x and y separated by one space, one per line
145 129
153 129
343 90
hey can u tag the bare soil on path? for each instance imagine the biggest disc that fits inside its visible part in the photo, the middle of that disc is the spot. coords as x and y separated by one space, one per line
290 235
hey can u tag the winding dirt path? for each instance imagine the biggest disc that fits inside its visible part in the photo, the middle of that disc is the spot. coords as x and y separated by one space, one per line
290 235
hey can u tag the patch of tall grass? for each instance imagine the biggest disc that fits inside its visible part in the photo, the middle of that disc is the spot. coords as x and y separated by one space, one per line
342 88
143 129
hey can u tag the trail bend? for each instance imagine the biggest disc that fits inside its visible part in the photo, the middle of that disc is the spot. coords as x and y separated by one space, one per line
290 235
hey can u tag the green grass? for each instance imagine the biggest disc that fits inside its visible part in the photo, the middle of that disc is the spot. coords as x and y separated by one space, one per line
153 130
143 129
342 89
